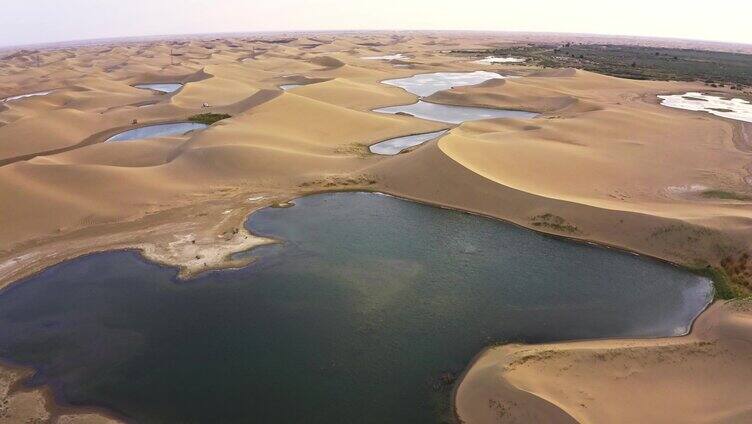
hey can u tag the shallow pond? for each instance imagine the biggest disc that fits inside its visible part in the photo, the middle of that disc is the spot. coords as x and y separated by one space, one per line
161 87
453 114
23 96
738 109
159 130
424 85
356 317
398 56
395 145
290 86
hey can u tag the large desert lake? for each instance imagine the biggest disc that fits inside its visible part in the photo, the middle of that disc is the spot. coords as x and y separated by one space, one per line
364 313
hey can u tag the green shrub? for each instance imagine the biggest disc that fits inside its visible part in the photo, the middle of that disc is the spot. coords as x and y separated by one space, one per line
208 118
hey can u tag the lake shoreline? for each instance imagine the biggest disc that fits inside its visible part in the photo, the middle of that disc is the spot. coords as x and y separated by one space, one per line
490 219
22 401
706 331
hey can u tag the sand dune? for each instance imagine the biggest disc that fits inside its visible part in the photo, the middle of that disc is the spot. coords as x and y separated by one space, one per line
510 94
55 129
693 379
355 94
328 62
604 158
292 122
228 84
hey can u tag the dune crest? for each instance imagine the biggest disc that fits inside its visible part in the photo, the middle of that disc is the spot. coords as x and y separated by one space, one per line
690 379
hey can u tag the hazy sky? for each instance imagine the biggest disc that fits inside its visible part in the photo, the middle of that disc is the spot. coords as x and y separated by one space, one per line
36 21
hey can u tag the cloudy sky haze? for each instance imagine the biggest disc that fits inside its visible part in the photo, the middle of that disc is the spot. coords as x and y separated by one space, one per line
41 21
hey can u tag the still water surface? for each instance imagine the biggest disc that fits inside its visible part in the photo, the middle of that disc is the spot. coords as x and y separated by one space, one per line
424 85
159 130
395 145
161 87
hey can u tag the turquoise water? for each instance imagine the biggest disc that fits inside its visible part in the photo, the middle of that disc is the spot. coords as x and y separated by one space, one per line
362 315
161 87
159 130
395 145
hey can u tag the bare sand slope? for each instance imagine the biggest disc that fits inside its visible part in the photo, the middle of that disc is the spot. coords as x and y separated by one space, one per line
294 122
698 378
229 83
354 94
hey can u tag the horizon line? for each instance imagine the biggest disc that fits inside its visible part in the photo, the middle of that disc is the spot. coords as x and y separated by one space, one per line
155 37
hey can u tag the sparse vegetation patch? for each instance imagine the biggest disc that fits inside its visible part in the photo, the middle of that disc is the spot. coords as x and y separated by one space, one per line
553 222
724 195
208 118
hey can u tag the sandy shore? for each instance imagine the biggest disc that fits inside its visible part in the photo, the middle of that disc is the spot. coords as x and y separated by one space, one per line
603 163
22 405
699 378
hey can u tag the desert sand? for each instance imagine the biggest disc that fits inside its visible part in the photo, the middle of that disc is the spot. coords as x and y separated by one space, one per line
699 378
605 162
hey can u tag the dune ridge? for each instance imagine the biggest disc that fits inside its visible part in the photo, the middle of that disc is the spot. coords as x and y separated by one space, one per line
690 379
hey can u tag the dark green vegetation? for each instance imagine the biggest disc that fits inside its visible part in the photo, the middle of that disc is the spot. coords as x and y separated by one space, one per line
726 287
724 195
366 313
553 222
208 118
731 279
636 62
737 274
